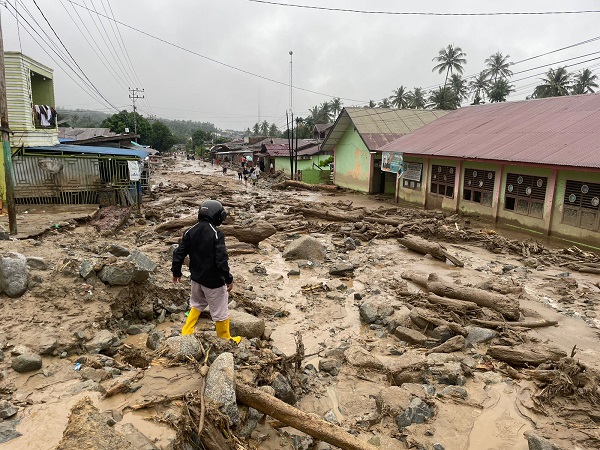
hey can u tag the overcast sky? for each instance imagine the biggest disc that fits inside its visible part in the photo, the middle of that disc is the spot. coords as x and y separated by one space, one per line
354 56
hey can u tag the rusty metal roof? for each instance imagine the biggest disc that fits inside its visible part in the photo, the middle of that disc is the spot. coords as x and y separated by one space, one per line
379 126
562 131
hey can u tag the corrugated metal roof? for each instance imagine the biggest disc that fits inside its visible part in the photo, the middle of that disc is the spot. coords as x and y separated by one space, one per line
379 126
563 131
87 149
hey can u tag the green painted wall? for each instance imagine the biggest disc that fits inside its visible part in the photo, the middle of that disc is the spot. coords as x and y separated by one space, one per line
435 201
42 90
390 182
283 163
563 230
473 207
352 165
413 195
315 176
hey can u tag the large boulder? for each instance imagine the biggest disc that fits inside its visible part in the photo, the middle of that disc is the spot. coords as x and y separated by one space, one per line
283 390
374 310
359 357
409 335
8 430
144 265
180 348
7 409
27 362
417 412
13 274
306 247
102 340
220 386
536 442
478 335
121 273
243 324
393 400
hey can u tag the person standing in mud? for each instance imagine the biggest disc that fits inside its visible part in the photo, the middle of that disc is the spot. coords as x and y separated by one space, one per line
240 172
209 267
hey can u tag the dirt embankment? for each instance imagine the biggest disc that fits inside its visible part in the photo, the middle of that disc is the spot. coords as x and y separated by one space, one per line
471 341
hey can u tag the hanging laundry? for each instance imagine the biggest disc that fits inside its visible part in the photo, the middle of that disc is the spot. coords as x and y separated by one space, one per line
44 116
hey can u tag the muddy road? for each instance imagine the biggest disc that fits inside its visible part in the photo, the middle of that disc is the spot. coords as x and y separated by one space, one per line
350 323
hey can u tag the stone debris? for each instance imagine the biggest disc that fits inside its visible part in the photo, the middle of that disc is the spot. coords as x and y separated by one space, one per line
26 362
14 274
220 386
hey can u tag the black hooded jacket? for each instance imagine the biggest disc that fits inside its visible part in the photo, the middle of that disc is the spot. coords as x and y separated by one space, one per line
209 265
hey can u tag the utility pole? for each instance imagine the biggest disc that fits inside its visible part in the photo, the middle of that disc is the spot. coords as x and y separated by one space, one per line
8 167
134 96
291 99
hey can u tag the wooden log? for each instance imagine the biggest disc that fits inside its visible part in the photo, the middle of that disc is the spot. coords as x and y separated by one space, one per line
506 306
420 315
177 223
526 354
251 234
524 324
426 247
329 215
310 187
460 306
305 422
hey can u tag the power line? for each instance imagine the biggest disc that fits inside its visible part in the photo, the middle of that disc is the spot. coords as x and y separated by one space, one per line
92 94
247 72
69 53
421 13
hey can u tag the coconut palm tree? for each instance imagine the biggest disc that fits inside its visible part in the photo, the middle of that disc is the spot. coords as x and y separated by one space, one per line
498 66
450 59
336 106
372 104
443 98
256 129
585 82
459 86
384 103
556 84
499 90
479 87
399 98
416 98
325 111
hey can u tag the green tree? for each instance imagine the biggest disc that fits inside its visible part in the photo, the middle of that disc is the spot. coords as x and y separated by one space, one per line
264 128
256 129
584 82
416 98
273 130
372 104
479 87
384 103
162 137
336 106
443 98
124 119
201 137
450 59
498 66
400 98
499 90
459 86
556 83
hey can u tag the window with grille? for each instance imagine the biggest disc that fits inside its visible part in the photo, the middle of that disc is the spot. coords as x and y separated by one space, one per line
582 205
442 180
478 186
525 194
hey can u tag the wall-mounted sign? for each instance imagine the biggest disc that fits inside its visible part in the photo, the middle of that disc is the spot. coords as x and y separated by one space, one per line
134 170
392 162
413 171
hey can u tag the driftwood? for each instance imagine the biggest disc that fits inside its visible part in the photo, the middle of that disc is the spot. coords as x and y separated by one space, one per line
329 215
506 306
305 422
426 247
524 324
299 184
420 315
526 354
459 306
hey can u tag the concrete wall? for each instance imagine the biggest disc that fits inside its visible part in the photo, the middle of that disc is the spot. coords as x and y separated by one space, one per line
283 163
352 163
435 201
315 176
416 196
471 207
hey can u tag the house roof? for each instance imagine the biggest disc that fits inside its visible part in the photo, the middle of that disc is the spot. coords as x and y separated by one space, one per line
89 150
280 147
560 131
320 127
379 126
82 133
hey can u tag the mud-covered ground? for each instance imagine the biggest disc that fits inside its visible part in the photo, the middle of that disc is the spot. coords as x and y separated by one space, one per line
491 404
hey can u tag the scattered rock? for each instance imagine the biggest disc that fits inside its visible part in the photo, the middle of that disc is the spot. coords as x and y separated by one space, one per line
27 362
330 417
293 273
138 440
144 265
373 310
449 373
330 365
478 335
103 340
182 347
454 391
89 373
154 339
419 390
306 247
409 335
13 274
359 357
120 273
489 377
7 409
8 430
341 269
117 250
438 446
283 390
220 386
37 263
251 422
536 442
46 344
442 333
246 325
417 412
393 400
87 270
451 345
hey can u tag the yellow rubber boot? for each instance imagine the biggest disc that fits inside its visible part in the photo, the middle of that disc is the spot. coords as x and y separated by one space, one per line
223 331
190 322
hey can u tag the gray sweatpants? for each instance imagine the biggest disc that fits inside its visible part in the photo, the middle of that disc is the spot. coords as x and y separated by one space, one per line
216 299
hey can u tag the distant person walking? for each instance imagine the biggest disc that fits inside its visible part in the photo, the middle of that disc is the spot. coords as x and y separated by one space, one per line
271 168
254 176
240 173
